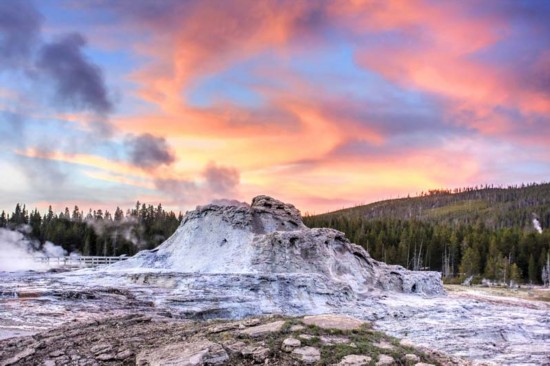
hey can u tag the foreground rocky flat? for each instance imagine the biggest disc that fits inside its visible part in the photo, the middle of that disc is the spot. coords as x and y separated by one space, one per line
485 330
135 339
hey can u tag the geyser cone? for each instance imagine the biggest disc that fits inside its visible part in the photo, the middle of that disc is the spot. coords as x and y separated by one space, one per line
268 237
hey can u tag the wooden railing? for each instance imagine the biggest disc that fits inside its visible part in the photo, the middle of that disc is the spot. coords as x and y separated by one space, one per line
80 261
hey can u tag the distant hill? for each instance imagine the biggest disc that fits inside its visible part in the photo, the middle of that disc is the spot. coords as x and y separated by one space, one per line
485 232
494 207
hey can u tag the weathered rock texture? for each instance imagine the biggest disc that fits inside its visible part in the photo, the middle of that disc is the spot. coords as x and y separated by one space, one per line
269 237
135 339
232 261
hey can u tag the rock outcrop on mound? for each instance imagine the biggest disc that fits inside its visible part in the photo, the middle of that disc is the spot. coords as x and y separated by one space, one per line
135 339
262 256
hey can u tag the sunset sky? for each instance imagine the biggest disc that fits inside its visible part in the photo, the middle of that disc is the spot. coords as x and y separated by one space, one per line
324 104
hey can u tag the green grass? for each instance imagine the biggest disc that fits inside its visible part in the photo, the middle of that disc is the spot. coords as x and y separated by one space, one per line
362 342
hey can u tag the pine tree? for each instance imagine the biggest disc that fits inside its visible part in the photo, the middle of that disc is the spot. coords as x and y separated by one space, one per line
493 265
532 270
3 219
515 274
470 265
546 271
77 215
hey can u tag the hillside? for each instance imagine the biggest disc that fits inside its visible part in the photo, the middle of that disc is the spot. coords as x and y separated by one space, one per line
484 231
494 207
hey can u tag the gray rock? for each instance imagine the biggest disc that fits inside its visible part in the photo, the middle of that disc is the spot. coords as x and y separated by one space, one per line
354 360
235 347
296 328
260 354
385 360
261 330
307 355
122 355
184 354
289 344
105 357
56 353
19 357
332 321
412 357
101 348
333 340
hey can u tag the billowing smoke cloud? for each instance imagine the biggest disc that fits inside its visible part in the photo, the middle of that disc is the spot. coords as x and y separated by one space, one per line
148 151
221 180
19 32
78 82
17 252
218 182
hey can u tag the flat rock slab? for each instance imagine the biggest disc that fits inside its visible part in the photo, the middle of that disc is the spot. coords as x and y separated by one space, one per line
195 353
331 321
412 357
263 329
308 355
385 360
333 340
290 343
258 353
354 360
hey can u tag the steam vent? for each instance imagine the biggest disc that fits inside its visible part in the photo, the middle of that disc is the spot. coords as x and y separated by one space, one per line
234 260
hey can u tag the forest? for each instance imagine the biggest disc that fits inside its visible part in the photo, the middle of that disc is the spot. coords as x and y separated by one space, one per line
96 232
500 234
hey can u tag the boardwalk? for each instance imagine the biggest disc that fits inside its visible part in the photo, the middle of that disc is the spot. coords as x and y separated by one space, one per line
78 261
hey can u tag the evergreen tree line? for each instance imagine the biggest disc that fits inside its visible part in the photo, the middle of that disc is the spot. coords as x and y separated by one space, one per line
475 232
502 255
97 232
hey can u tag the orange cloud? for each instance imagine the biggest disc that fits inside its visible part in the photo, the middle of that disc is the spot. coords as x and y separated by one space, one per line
192 46
85 160
287 144
437 54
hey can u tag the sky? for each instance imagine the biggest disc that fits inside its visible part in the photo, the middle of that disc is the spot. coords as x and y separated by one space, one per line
325 104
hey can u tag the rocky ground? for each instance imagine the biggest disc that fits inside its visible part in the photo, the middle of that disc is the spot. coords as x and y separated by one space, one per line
474 323
243 263
135 339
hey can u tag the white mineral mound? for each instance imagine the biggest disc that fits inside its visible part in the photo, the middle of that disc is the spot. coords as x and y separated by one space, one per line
269 238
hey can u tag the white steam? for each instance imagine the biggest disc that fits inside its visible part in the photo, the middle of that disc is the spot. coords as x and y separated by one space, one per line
536 225
18 253
52 250
125 229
